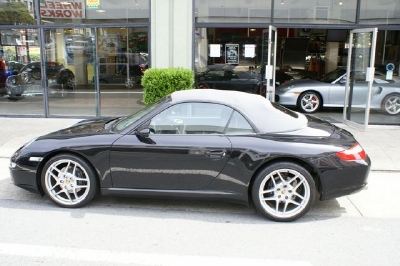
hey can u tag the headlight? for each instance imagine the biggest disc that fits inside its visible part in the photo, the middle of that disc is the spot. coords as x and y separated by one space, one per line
12 165
22 147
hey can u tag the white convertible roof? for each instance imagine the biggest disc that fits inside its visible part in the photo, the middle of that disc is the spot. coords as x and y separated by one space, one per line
266 117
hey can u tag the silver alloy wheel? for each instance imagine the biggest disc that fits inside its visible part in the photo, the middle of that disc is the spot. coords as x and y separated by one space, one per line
67 182
284 193
310 102
392 104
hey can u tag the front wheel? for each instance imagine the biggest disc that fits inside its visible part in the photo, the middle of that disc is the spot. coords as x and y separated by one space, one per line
283 191
391 104
69 181
309 102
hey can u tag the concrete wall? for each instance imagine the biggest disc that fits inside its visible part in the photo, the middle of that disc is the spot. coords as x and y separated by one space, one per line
171 33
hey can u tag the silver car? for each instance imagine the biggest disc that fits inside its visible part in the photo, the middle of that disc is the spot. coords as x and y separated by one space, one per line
310 95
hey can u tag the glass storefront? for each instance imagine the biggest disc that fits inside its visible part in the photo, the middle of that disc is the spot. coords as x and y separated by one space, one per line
85 58
312 40
55 68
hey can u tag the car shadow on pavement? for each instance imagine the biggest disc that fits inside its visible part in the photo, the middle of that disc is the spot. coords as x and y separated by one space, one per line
159 208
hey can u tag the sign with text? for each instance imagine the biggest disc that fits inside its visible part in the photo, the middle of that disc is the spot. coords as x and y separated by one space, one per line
232 53
63 9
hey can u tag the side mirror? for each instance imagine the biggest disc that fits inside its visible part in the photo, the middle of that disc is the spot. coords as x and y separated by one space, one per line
143 131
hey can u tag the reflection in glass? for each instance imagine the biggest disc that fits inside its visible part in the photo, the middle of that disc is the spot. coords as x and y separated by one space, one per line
123 54
315 11
20 93
233 11
17 13
69 59
380 12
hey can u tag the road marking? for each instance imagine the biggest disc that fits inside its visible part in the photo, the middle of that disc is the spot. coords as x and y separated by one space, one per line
121 257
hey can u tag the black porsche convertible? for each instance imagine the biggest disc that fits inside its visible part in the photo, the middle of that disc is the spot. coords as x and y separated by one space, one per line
208 144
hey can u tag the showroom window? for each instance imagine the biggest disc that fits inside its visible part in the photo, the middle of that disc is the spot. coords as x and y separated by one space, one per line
382 12
236 11
315 11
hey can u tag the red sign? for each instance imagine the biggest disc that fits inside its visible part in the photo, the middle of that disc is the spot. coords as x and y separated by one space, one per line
63 9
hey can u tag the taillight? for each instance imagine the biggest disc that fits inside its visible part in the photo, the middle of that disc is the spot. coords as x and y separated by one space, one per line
354 153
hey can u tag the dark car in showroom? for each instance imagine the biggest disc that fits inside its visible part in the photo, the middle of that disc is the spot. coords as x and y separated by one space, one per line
201 144
231 77
228 77
27 81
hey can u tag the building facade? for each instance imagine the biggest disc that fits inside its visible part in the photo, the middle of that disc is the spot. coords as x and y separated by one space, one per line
107 45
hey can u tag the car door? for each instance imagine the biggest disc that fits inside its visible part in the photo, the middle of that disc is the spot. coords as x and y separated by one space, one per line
185 150
337 91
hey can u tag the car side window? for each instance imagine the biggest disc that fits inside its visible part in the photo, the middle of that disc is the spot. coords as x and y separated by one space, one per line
238 125
191 118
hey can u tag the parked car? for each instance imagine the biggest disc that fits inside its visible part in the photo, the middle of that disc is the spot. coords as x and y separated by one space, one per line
4 74
14 66
310 95
228 77
205 144
24 81
54 70
240 78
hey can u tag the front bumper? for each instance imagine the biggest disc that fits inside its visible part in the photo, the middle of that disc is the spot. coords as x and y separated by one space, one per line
24 178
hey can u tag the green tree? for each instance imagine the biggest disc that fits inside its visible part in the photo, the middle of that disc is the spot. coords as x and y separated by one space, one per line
15 13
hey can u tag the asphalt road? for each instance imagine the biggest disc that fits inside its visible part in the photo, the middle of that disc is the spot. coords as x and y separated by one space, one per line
362 229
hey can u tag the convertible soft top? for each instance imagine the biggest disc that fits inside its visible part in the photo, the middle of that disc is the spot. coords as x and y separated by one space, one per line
256 108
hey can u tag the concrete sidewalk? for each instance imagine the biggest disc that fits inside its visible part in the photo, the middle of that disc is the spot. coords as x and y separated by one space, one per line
382 143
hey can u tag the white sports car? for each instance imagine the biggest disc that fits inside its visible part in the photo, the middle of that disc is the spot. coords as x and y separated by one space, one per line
310 95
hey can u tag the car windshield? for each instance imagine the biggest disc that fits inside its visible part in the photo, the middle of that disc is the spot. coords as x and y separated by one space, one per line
127 121
333 75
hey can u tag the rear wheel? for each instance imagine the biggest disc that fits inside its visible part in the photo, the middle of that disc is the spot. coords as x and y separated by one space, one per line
283 191
309 102
69 181
391 104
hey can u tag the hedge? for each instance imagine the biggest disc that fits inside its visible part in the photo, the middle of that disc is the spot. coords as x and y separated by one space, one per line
159 82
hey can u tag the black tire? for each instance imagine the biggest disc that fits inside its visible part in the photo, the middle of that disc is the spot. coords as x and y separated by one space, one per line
70 83
283 191
309 102
14 98
69 181
36 75
202 85
391 104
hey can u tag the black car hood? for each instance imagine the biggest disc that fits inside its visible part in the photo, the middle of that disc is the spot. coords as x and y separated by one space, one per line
85 127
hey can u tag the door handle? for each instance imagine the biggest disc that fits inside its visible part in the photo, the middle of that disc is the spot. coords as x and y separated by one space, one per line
216 153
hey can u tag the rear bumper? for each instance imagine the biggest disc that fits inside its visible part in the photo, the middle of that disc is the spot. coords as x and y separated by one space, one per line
346 180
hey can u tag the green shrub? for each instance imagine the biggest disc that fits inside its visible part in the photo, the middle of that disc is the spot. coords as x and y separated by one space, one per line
159 82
